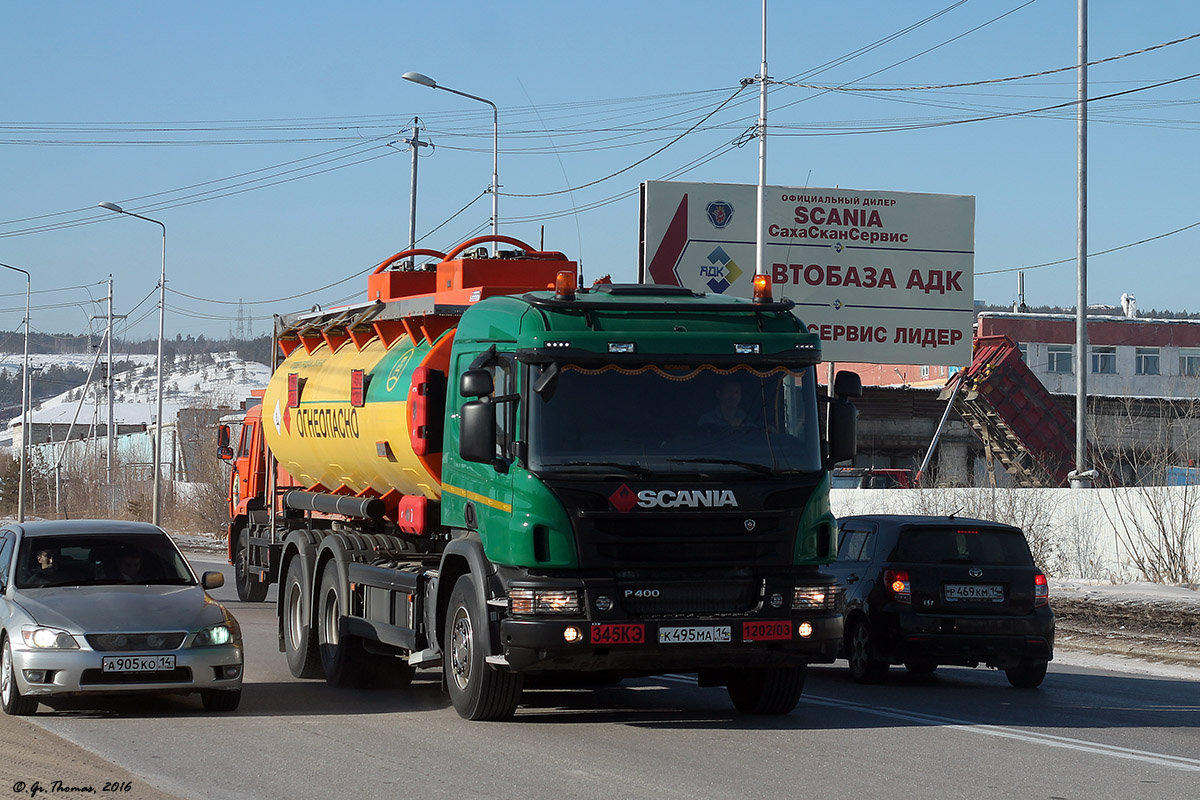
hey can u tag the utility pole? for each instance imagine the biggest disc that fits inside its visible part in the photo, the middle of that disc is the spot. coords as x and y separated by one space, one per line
1081 477
415 143
109 385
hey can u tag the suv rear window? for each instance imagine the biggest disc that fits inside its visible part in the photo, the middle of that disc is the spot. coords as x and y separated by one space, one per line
966 545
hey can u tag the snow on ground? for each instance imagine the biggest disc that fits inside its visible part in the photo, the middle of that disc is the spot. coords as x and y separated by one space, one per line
202 380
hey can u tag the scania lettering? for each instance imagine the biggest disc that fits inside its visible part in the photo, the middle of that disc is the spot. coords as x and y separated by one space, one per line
472 473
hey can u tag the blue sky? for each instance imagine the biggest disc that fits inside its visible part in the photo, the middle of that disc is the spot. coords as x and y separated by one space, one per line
184 111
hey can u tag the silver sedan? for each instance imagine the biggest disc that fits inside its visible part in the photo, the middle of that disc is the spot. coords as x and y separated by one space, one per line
109 607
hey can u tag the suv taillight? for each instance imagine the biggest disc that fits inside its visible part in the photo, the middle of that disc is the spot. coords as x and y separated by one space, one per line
1041 590
898 585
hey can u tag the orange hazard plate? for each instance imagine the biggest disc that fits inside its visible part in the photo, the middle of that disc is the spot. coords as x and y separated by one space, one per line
767 631
618 633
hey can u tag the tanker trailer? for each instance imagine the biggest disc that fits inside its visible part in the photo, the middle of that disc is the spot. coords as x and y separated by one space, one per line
477 473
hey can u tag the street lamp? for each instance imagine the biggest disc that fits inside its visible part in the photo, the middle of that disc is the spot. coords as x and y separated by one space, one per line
425 80
156 517
24 402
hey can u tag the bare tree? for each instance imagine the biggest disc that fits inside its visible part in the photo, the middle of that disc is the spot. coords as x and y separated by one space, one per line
1149 443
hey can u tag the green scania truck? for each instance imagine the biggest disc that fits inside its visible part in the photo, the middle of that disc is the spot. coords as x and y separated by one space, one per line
486 469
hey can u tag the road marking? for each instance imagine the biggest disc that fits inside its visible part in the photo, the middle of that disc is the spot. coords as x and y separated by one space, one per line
1082 745
1158 759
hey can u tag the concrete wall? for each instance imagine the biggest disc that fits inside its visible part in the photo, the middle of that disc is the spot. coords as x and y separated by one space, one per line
1073 533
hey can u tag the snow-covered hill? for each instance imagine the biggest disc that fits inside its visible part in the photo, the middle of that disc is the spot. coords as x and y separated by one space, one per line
203 380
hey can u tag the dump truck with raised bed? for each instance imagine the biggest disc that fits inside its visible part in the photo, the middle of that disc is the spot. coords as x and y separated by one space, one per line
476 472
1020 424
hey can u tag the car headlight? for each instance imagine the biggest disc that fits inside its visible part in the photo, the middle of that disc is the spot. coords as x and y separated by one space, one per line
48 638
216 635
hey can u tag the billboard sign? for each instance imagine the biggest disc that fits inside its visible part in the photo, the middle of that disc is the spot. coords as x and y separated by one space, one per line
882 277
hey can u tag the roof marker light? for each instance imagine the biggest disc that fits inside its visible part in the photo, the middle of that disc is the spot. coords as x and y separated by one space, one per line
564 285
762 289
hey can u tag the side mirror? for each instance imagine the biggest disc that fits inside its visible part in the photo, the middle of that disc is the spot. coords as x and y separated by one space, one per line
847 384
477 430
476 383
212 580
843 431
224 451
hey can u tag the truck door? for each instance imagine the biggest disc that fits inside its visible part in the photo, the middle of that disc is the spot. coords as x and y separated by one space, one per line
483 492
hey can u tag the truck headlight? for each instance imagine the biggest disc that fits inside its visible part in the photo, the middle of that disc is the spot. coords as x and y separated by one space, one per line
816 598
48 638
543 601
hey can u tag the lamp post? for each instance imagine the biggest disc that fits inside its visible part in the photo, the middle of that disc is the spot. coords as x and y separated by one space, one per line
156 514
425 80
24 402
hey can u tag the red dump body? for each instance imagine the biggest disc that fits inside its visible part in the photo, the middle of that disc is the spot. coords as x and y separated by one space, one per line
1016 417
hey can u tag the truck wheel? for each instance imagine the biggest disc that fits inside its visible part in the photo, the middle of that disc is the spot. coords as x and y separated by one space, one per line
342 657
298 640
860 654
249 588
15 704
477 691
767 691
1027 674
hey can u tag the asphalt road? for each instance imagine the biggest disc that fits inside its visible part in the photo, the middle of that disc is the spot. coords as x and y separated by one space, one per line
960 733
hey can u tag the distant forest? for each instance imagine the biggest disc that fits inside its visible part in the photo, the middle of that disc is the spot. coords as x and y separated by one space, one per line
258 349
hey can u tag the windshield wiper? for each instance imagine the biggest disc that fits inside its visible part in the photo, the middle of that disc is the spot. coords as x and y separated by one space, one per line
762 469
632 469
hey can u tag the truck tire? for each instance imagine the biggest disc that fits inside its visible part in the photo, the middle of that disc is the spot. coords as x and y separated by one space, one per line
249 588
477 690
342 657
298 640
768 690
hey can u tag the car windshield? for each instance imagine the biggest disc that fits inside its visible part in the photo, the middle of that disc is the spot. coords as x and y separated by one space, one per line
675 419
963 545
100 559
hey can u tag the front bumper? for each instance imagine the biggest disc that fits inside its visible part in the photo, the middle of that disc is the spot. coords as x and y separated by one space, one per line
646 646
80 672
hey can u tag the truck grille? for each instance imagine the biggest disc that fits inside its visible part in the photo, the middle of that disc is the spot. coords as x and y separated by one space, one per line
682 539
656 597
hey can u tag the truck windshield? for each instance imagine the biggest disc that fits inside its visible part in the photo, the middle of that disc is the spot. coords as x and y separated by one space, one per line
686 419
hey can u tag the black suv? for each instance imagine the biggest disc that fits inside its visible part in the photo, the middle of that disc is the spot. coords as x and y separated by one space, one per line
925 591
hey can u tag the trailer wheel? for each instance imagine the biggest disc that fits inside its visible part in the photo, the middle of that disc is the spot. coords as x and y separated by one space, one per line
342 657
767 691
477 690
249 589
298 639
